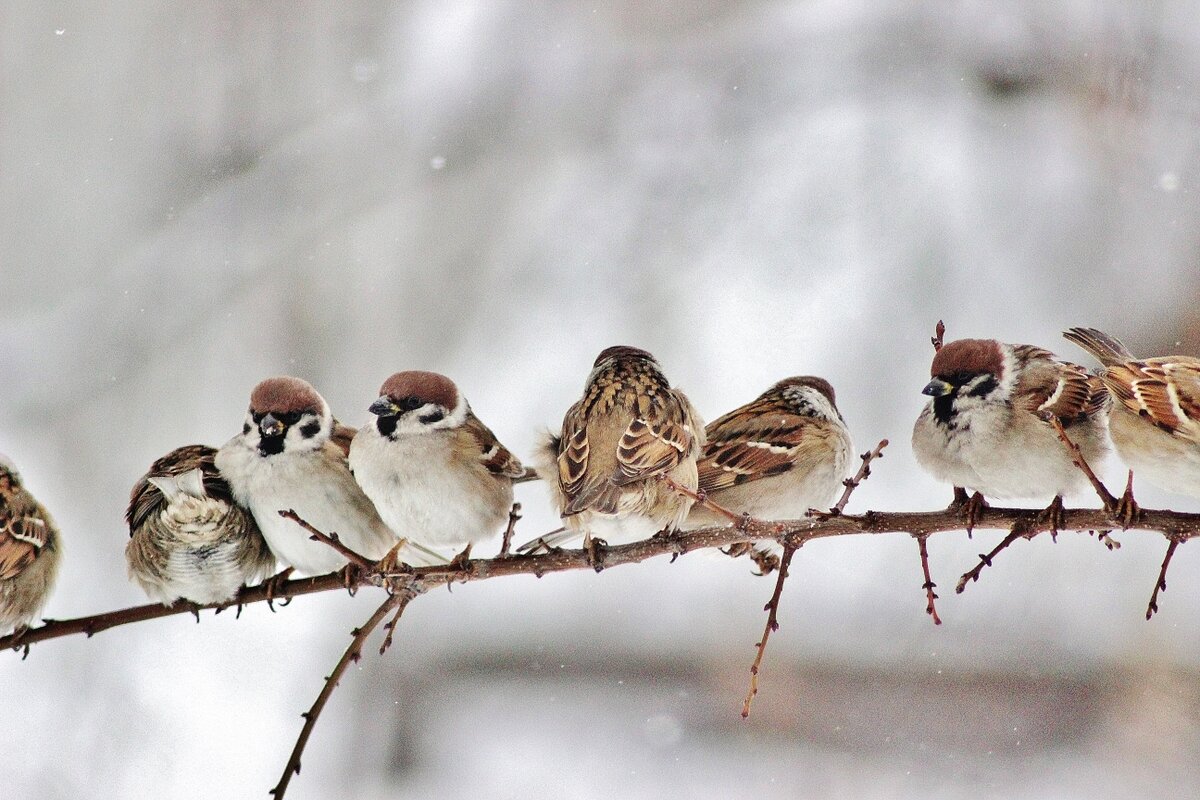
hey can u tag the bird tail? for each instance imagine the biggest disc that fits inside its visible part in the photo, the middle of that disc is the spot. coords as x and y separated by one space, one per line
1108 350
189 483
552 539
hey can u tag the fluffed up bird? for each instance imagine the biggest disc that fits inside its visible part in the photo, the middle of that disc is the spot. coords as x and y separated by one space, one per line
437 475
187 537
285 458
30 549
620 447
986 426
777 457
1155 419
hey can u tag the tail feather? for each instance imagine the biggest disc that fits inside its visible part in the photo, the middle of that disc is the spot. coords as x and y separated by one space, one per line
1108 350
173 486
552 539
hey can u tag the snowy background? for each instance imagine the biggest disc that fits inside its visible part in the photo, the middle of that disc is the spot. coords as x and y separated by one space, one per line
194 196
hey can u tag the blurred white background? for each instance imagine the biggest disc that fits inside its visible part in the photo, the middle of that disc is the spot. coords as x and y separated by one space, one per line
194 196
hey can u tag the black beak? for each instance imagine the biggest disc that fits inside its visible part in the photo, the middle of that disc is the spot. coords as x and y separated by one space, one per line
938 388
270 426
384 407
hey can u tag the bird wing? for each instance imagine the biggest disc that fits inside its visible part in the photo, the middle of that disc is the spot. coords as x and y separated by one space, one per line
1164 390
755 441
1047 386
22 536
497 458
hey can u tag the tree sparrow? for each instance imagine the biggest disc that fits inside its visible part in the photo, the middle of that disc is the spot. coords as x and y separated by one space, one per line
30 549
776 457
284 458
1155 421
986 429
187 537
628 433
436 474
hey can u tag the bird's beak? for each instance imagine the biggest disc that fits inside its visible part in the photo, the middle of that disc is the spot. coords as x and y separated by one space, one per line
938 388
271 426
384 407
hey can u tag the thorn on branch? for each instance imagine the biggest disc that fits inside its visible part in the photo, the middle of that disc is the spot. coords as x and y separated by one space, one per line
514 514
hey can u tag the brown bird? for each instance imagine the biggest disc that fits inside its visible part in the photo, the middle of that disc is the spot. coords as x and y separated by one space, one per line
187 536
1155 419
30 549
621 445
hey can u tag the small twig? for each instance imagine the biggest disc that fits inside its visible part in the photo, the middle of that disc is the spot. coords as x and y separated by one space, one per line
352 655
772 609
1106 497
332 540
514 514
702 499
929 585
1161 586
1017 532
939 332
851 484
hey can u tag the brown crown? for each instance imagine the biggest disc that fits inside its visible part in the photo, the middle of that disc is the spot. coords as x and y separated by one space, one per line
811 381
968 357
430 387
621 351
285 395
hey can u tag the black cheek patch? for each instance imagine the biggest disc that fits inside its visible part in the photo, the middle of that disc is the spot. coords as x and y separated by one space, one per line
386 426
310 429
985 388
429 419
246 428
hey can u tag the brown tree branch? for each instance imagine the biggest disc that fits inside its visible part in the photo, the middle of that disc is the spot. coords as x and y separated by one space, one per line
514 514
353 653
1180 524
331 539
1161 585
929 585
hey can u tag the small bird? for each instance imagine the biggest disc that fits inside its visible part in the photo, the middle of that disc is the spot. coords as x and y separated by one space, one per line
986 427
284 458
621 446
30 549
435 473
776 457
187 537
1155 419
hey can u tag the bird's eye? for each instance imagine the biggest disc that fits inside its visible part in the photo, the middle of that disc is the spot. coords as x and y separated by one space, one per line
411 403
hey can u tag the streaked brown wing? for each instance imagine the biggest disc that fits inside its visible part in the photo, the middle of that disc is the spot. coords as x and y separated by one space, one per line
21 537
495 456
1164 390
1065 390
654 443
755 441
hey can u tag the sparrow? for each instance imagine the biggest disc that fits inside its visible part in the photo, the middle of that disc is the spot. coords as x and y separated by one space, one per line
187 537
285 458
436 474
1155 417
986 427
776 457
621 446
30 549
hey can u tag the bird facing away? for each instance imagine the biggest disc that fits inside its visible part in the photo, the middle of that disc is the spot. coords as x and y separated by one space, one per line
776 457
30 549
1155 416
618 443
986 427
187 537
285 458
437 475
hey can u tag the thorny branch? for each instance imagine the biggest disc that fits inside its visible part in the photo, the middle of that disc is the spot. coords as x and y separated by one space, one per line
397 602
790 546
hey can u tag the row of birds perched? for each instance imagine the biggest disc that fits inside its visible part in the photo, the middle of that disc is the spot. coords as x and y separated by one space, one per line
425 477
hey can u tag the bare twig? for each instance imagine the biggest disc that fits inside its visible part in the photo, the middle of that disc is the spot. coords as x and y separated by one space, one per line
772 609
1106 497
352 655
939 332
1017 532
331 539
702 499
514 514
864 472
1161 585
929 585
